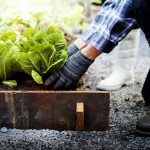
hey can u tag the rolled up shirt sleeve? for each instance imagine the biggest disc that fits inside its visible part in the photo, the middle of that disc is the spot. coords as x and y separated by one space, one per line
114 21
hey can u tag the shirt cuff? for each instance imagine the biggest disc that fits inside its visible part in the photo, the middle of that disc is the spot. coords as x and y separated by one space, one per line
97 40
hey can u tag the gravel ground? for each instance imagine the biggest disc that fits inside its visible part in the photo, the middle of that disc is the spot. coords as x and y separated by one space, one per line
126 105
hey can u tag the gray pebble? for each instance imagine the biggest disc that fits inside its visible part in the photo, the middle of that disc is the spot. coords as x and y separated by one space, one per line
4 129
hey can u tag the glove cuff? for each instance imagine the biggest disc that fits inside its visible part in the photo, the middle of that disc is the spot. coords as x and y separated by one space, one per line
76 66
72 49
83 59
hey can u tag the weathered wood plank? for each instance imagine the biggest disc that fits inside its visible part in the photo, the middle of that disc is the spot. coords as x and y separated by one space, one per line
53 110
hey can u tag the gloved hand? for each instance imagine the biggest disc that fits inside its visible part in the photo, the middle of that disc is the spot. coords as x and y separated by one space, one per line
73 70
72 49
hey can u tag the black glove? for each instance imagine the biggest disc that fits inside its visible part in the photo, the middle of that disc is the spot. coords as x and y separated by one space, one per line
72 49
73 70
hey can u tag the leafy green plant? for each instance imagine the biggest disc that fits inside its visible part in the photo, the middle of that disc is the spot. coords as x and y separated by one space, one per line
38 53
42 52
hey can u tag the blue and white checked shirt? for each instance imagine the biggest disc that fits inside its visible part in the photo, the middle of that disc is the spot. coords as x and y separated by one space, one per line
111 25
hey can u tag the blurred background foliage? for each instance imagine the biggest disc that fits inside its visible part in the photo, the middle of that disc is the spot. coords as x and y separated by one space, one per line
32 12
97 2
68 13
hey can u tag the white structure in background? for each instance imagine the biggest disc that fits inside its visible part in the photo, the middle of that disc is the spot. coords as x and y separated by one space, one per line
87 6
125 56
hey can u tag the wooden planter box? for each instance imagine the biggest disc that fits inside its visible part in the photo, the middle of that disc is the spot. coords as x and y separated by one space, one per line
54 110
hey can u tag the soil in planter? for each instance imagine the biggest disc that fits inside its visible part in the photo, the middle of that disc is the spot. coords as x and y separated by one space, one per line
25 82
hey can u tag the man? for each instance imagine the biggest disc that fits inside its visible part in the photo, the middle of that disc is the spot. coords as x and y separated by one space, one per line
111 25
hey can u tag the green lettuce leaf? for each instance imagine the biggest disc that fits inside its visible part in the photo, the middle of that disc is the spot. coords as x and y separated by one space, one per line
52 30
11 83
40 37
29 32
7 59
29 61
58 41
36 77
8 36
22 43
57 65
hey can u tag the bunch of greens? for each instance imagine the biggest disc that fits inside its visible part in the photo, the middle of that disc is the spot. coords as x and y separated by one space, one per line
38 53
41 52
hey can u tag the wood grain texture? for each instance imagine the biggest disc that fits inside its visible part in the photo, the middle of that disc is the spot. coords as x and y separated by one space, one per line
53 110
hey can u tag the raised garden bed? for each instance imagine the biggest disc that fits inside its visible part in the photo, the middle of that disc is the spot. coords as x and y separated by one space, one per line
32 106
45 109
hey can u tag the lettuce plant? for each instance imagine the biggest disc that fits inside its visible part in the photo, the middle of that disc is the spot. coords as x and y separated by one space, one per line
41 52
38 53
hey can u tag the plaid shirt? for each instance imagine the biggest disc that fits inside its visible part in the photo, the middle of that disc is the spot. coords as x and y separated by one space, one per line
111 25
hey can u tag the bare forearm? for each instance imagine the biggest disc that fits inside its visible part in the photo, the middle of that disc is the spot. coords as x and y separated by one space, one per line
90 52
87 49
